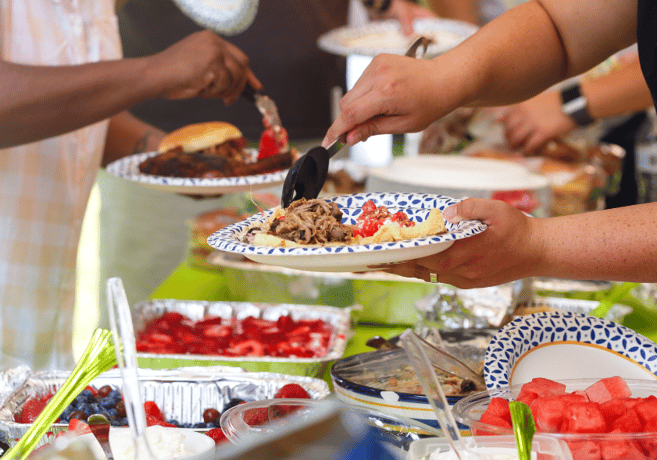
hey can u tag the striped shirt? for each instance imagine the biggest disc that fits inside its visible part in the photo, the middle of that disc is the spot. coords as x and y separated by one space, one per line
45 185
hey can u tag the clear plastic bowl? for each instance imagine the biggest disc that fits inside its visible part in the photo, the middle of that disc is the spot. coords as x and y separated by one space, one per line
468 411
398 431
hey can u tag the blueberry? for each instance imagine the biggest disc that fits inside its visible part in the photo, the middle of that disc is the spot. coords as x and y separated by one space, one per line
96 407
188 425
233 402
115 422
198 425
124 421
107 403
86 393
86 408
113 413
208 425
174 422
115 395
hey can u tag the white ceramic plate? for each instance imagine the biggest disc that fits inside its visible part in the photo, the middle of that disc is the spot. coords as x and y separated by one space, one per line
564 345
128 168
352 258
386 37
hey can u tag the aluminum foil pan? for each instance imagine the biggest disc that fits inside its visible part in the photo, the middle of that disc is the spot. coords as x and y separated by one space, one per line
616 313
182 394
338 318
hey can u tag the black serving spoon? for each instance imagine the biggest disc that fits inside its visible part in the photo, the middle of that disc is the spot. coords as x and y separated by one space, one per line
307 175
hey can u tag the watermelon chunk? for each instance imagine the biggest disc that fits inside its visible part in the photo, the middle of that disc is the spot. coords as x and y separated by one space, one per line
647 409
650 445
493 420
612 409
583 417
585 450
629 422
499 407
608 388
621 450
549 411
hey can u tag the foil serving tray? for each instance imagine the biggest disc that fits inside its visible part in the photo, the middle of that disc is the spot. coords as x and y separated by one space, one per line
339 318
182 394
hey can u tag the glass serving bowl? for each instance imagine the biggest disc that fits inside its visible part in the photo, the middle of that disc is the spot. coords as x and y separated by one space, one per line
272 413
468 411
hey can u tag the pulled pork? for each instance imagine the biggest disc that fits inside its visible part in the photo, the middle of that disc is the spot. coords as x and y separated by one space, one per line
312 222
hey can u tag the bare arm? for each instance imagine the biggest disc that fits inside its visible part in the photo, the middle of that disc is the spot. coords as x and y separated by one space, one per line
47 101
514 57
128 135
616 244
531 124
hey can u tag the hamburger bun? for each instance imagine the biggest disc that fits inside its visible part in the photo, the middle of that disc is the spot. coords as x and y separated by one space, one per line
199 136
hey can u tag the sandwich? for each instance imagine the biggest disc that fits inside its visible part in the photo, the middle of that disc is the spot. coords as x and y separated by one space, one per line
210 150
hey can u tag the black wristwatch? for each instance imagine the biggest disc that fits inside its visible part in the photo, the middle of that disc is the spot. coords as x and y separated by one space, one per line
574 104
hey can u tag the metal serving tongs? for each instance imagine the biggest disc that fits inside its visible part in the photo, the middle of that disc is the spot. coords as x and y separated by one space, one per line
307 175
439 359
124 340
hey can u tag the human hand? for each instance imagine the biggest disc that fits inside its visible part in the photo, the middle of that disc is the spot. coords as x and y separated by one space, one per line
406 12
532 123
204 65
509 249
390 97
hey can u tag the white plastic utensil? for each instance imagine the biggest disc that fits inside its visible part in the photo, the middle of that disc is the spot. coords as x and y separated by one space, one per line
434 393
124 341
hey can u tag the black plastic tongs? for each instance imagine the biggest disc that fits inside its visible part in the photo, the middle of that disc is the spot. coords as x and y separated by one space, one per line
307 175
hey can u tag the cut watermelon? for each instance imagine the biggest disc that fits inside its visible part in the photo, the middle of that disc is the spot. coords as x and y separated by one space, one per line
647 409
608 388
650 445
583 417
629 422
549 411
612 409
621 450
499 407
585 450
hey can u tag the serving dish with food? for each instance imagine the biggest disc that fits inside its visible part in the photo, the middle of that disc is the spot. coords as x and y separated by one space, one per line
207 159
182 395
285 338
610 418
338 250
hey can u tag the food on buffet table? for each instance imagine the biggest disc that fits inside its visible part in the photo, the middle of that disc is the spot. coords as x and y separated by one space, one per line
318 222
212 150
606 406
285 337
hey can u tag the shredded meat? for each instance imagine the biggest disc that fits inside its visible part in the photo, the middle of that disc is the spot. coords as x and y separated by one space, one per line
228 159
312 222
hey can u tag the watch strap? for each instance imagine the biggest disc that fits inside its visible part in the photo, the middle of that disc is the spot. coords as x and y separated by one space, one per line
574 104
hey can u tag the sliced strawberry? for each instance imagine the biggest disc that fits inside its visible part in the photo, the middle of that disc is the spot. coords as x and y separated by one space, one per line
217 434
152 410
255 417
78 427
292 390
31 410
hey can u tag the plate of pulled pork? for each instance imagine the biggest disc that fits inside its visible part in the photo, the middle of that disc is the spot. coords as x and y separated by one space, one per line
346 233
207 158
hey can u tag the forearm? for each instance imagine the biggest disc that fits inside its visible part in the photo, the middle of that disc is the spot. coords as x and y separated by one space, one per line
530 48
617 244
621 91
48 101
128 135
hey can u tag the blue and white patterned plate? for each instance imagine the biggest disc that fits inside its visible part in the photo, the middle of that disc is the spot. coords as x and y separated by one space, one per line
128 168
565 345
352 258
